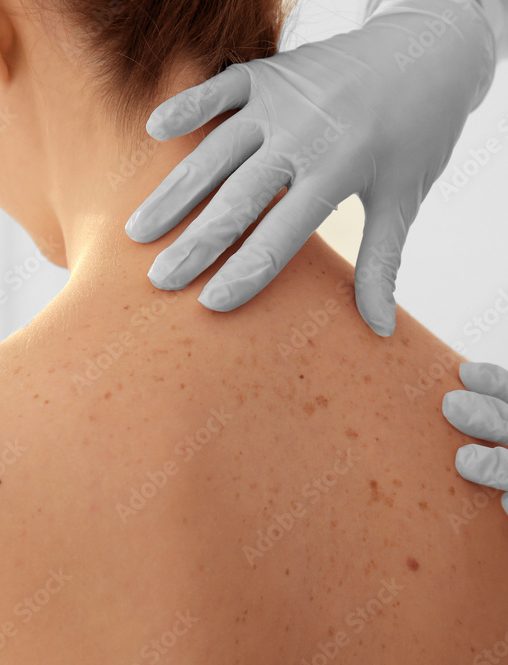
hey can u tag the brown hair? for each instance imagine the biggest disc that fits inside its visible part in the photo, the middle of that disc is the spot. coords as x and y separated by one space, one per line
133 42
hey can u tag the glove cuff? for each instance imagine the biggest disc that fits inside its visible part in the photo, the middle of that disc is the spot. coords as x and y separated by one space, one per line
469 23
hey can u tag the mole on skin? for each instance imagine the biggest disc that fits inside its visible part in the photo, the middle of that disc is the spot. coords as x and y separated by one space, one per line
412 564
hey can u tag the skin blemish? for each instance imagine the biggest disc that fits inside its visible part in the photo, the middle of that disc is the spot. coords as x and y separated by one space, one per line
451 490
412 564
107 395
322 401
301 376
36 396
397 482
351 433
423 505
309 408
377 495
367 378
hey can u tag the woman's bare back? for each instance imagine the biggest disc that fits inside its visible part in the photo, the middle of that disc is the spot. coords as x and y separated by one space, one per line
275 485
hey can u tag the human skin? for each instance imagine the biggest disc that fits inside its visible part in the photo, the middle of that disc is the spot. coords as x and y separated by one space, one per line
274 485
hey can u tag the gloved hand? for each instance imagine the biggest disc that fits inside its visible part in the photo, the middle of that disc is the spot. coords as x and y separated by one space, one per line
375 112
483 414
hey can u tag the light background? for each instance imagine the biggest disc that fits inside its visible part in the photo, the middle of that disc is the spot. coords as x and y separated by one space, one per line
454 277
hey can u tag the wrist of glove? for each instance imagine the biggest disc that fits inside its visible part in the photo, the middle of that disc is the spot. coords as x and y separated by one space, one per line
460 32
496 12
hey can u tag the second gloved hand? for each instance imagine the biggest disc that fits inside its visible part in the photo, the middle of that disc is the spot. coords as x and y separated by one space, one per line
375 112
481 411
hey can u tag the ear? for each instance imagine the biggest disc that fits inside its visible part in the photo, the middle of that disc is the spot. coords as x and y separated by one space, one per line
7 37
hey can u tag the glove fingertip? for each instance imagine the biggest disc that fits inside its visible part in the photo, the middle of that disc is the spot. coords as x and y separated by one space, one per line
157 129
504 502
216 298
379 314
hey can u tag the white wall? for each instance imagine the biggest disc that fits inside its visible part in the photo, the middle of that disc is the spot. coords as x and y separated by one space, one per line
455 272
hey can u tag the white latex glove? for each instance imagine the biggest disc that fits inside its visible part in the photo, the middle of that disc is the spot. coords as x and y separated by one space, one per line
483 414
375 112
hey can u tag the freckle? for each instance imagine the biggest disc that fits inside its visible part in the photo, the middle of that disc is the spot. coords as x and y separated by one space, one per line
351 433
374 490
302 376
367 378
412 564
406 341
119 386
333 524
127 307
322 401
182 386
107 395
46 401
51 370
189 354
451 490
448 468
423 505
397 482
309 408
287 572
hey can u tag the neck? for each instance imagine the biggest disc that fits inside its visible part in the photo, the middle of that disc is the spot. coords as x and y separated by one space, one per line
97 176
95 205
